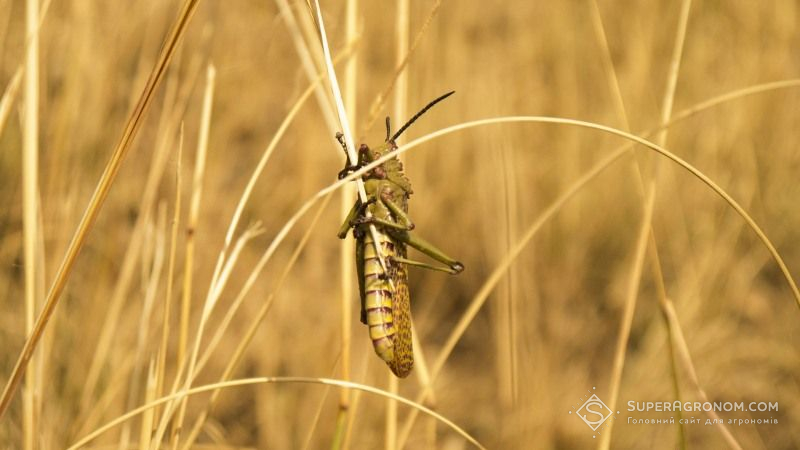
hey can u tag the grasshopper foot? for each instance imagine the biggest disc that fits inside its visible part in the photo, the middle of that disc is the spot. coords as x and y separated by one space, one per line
348 169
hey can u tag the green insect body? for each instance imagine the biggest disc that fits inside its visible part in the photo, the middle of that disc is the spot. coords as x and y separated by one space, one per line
385 299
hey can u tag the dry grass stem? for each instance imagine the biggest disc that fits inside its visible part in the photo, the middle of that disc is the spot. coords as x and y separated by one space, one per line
30 219
346 260
399 69
261 380
96 203
649 196
9 95
258 319
682 354
631 295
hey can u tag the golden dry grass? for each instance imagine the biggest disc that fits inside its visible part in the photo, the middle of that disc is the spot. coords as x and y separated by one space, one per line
585 302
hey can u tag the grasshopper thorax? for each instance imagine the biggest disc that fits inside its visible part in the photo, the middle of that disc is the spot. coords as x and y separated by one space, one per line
391 169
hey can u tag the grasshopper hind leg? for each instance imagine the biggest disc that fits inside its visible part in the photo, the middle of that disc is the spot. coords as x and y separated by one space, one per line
412 240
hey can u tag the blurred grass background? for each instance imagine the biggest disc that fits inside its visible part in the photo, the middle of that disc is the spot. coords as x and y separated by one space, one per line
548 331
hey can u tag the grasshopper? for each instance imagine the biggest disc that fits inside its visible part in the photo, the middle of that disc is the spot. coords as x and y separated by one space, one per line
385 299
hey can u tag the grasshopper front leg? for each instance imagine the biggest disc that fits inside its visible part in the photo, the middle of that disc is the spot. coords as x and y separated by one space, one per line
403 223
355 217
347 166
348 221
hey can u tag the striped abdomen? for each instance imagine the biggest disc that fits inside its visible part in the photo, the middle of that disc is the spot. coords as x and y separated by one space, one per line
387 304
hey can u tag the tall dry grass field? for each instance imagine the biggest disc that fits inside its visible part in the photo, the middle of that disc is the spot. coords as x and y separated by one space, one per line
654 272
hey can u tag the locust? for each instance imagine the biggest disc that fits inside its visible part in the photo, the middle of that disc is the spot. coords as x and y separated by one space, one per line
383 279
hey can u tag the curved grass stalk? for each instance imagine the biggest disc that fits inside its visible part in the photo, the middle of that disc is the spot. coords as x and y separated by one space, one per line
264 380
733 95
656 148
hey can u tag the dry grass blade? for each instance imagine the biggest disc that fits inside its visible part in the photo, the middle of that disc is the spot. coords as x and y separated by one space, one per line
197 191
402 12
173 251
346 262
96 202
127 270
190 367
346 130
674 66
682 353
32 245
262 163
154 258
262 380
649 195
608 66
730 96
401 66
305 51
344 120
630 306
9 96
255 176
146 428
194 210
243 344
717 101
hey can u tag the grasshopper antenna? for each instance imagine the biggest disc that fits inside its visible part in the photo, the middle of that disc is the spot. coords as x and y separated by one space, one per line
416 116
387 129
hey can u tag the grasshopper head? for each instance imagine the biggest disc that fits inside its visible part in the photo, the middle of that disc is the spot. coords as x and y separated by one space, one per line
392 168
